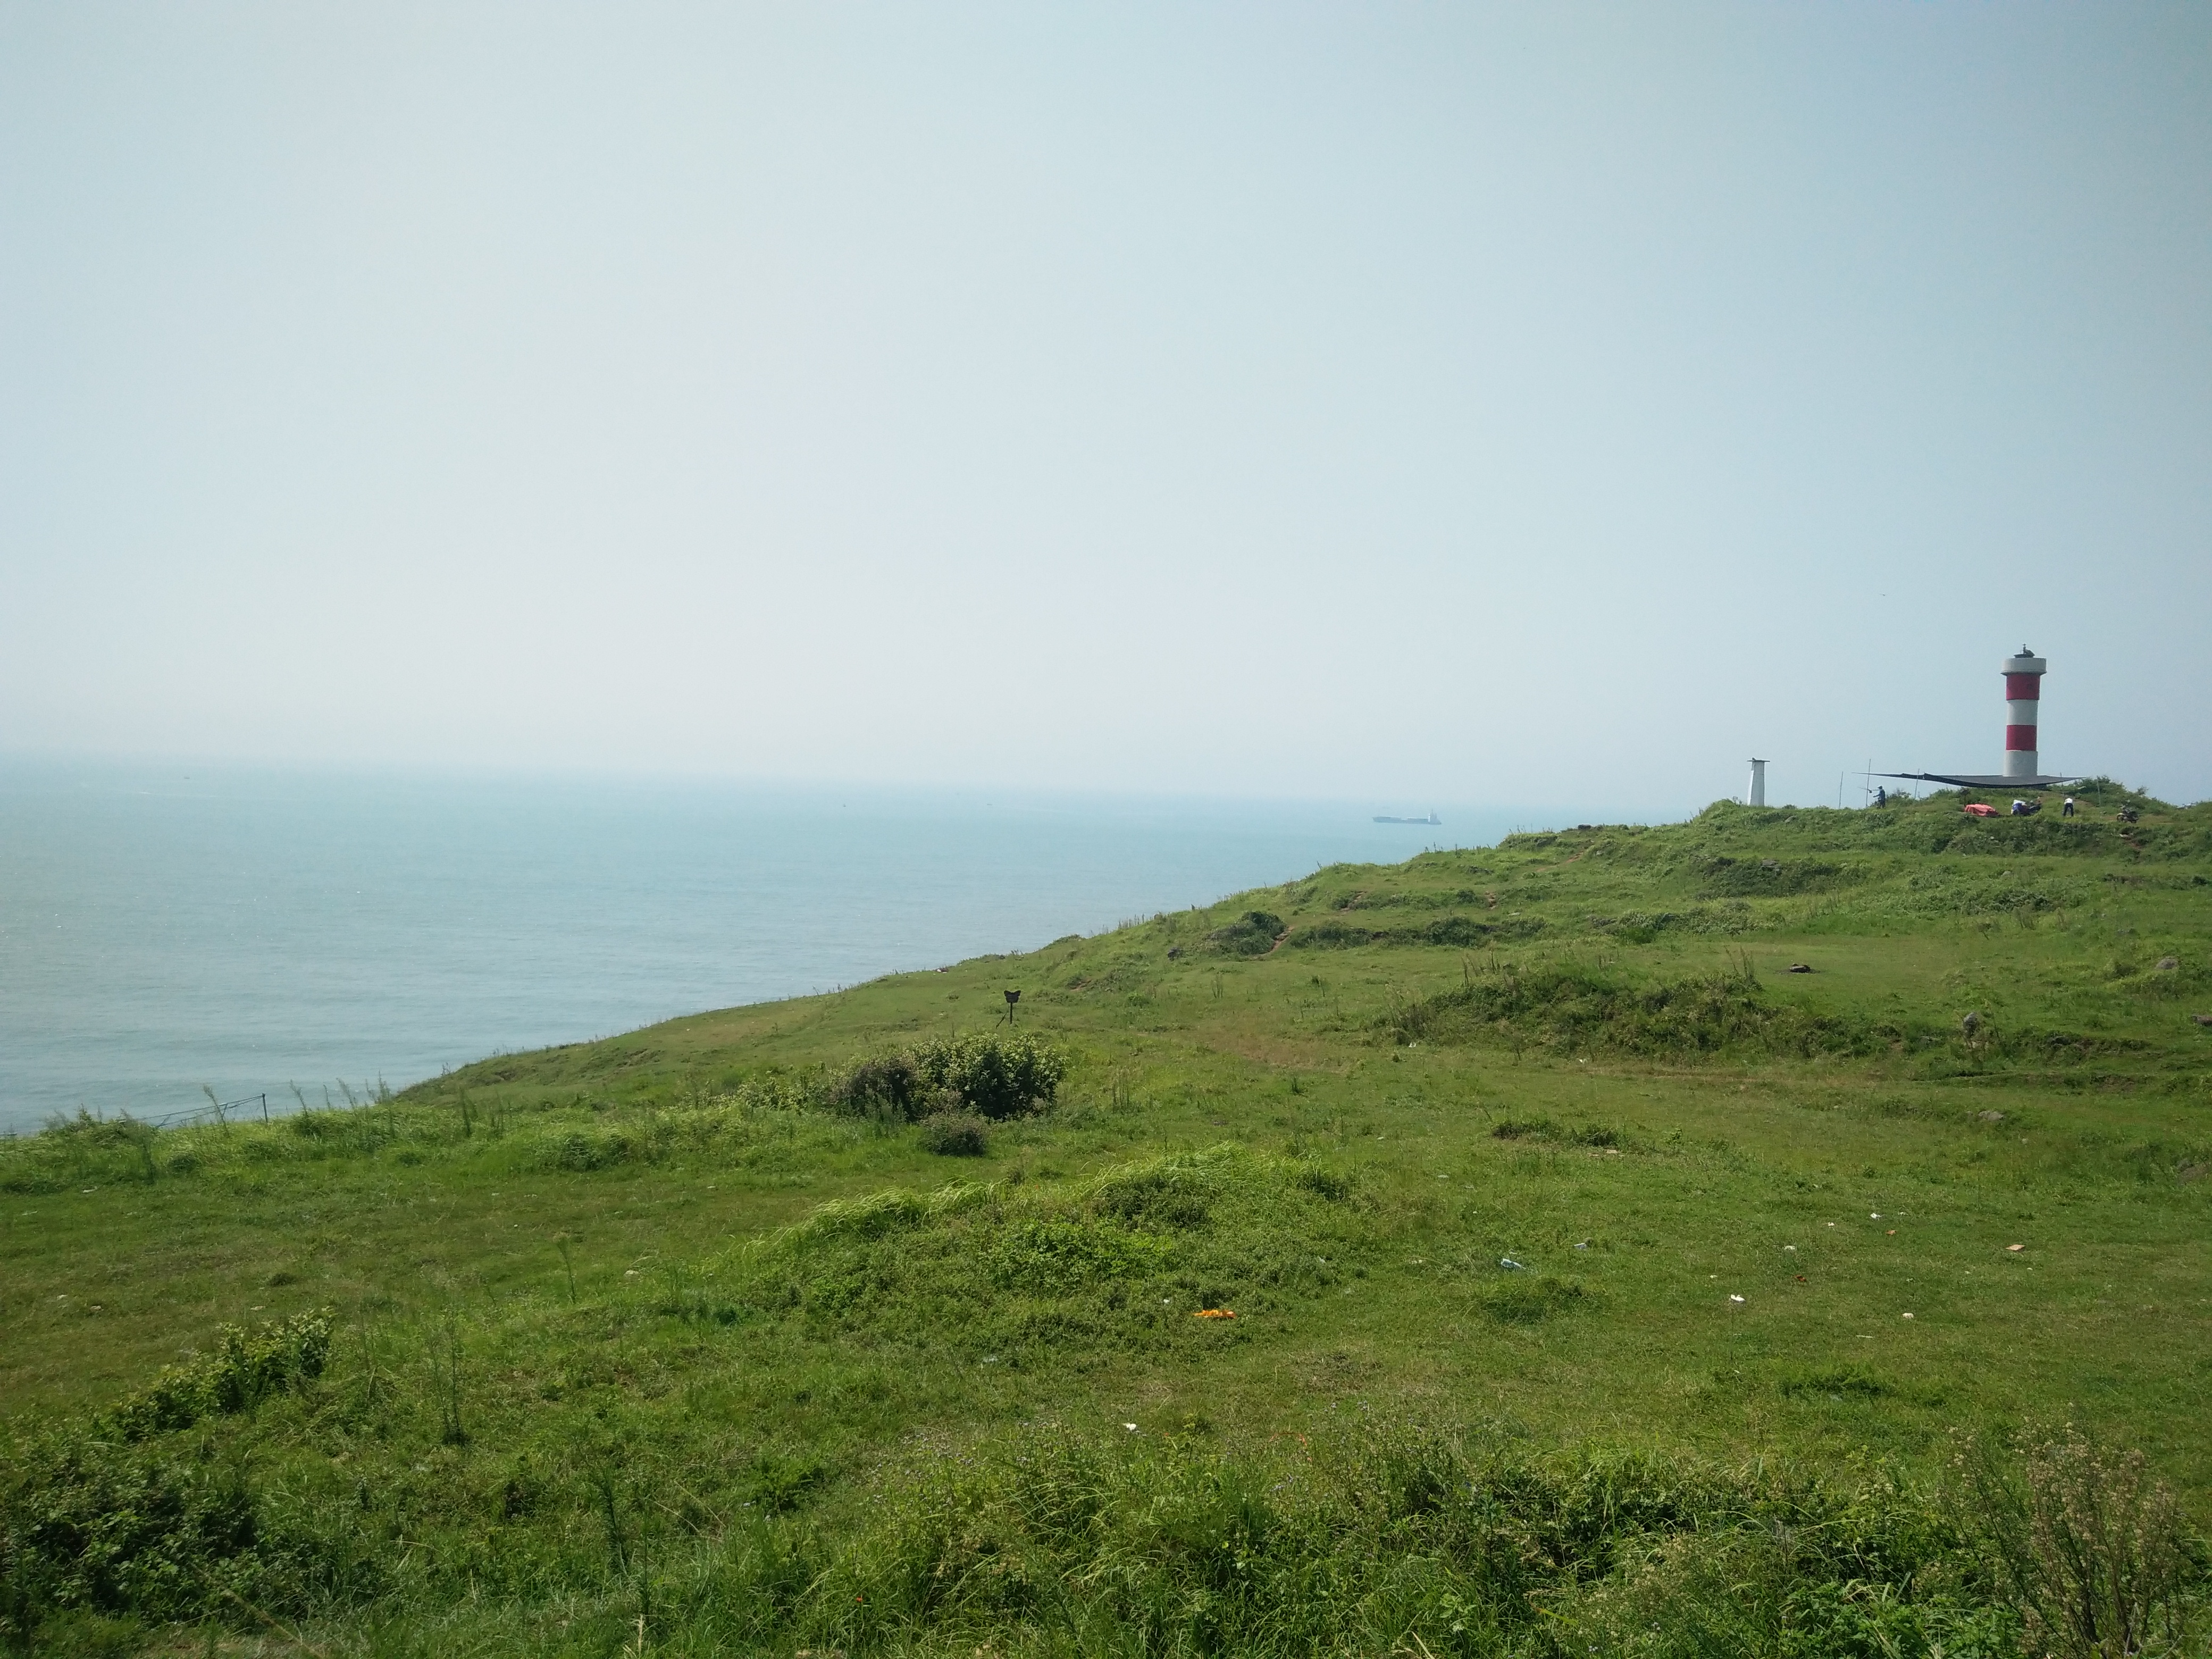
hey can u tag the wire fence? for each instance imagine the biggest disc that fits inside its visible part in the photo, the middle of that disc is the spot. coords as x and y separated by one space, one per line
220 1110
254 1108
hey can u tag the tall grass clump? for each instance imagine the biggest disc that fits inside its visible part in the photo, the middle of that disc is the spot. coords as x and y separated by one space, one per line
2089 1542
956 1134
1385 1539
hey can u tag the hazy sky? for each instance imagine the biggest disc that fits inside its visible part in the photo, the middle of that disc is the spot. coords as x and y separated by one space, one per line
1416 402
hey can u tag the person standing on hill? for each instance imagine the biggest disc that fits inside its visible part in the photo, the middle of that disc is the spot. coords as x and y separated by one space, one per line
2067 811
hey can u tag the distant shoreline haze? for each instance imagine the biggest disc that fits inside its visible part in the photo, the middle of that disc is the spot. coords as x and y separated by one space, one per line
167 927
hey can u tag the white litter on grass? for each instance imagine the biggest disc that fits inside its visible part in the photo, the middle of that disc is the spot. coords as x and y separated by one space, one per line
1508 1261
1789 1247
1738 1298
1131 1427
1908 1315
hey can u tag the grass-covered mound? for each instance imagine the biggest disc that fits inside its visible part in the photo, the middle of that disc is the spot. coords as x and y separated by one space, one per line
1571 1007
1501 1253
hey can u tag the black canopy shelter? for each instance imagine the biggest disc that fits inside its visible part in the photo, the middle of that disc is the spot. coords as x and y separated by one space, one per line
1981 780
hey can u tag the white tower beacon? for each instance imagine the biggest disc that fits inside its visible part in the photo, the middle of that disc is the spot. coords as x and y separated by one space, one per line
2023 679
1756 794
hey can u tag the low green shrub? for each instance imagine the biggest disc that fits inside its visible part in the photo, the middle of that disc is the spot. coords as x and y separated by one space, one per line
581 1150
244 1369
778 1482
1525 1298
1252 934
1569 1007
1056 1255
956 1134
1543 1128
118 1515
1719 875
1463 932
890 1082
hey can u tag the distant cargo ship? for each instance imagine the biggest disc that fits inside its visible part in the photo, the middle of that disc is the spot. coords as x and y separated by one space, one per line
1432 818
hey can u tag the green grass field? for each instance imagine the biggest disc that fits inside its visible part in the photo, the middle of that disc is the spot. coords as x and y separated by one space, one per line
1599 1285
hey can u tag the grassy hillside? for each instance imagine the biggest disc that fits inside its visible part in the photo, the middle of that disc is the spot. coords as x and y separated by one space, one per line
1502 1252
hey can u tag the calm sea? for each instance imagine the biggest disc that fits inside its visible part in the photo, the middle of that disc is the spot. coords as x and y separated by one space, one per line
161 930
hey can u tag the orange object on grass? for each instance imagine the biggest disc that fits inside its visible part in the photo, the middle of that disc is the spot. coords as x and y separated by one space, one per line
1215 1313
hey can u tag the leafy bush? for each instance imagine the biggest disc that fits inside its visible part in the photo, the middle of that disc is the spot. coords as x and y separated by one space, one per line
997 1076
956 1134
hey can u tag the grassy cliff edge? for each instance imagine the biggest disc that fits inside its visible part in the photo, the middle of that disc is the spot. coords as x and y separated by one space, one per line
1739 1236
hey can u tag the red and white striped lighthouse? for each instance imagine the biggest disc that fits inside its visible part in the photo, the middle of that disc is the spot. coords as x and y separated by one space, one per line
2023 679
